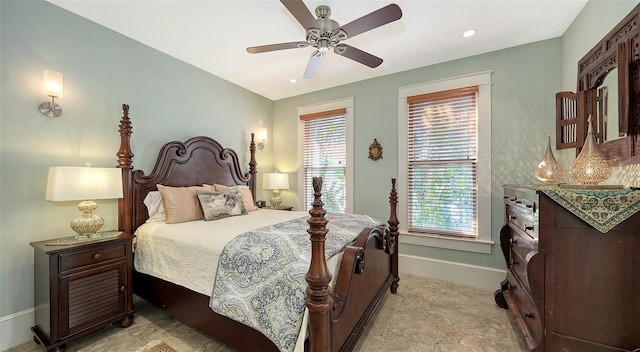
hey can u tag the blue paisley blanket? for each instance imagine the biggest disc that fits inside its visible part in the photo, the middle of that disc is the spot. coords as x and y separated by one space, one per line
260 280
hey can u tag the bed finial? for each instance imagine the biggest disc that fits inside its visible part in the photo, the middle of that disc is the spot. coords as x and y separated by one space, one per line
253 166
125 156
319 299
393 233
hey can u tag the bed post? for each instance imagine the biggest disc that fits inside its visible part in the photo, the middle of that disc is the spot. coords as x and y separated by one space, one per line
393 232
319 298
124 154
252 167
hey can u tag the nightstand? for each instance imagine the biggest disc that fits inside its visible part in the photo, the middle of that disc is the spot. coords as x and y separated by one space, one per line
80 288
280 208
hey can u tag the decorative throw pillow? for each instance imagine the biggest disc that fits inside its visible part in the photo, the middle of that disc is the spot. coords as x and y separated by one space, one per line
181 203
218 205
153 202
245 192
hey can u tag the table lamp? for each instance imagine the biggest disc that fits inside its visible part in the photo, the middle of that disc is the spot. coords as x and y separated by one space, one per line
275 182
85 184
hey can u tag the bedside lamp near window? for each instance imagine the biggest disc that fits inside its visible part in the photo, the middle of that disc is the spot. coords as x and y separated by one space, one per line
275 182
85 184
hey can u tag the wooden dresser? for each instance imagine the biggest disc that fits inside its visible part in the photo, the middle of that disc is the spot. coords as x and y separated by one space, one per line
80 288
569 287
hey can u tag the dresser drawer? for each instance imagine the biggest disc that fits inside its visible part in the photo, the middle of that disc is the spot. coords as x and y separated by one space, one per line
522 222
95 255
518 264
522 245
524 311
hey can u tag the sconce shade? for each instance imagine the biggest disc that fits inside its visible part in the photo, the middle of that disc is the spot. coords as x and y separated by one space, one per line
53 84
262 134
590 167
275 181
84 183
262 138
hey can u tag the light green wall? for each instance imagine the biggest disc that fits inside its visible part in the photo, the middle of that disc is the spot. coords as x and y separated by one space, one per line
524 81
169 100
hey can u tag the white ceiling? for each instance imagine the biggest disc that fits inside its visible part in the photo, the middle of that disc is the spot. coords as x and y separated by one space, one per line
213 35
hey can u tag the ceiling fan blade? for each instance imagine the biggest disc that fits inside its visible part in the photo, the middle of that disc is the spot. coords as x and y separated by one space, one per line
314 65
373 20
358 55
273 47
301 12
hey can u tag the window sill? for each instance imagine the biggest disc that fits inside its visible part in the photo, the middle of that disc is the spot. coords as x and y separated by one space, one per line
460 244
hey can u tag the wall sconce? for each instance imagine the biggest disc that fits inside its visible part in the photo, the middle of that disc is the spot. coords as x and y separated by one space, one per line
53 88
262 137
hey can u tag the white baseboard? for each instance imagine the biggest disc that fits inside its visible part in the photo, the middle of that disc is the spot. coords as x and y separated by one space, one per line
472 275
16 328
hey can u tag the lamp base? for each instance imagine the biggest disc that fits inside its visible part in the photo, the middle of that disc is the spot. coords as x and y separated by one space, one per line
275 198
87 224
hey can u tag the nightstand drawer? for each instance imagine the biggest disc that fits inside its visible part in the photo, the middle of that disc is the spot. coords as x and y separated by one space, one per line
78 259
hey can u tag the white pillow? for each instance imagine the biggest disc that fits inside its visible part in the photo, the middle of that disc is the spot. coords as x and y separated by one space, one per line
153 202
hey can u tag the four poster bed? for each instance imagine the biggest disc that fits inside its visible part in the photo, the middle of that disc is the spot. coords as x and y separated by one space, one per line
338 307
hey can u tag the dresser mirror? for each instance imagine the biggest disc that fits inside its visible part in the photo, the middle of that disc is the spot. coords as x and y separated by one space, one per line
608 89
606 121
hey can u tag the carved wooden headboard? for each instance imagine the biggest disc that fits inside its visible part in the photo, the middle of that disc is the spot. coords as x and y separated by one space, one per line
197 161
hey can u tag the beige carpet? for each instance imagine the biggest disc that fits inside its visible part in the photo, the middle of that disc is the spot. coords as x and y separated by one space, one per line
159 347
424 316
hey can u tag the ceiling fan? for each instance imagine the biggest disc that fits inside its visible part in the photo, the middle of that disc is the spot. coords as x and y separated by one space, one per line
324 33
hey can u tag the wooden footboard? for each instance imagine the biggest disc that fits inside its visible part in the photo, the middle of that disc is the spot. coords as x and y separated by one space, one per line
368 269
337 317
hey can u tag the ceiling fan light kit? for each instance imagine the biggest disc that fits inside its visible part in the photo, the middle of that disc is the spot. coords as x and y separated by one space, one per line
324 33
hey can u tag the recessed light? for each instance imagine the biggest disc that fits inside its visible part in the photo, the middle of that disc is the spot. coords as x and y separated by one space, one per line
469 33
293 80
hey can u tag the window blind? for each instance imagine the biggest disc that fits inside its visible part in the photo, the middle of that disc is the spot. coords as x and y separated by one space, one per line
325 155
442 163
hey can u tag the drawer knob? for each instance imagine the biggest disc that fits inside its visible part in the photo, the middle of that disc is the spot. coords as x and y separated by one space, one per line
530 228
528 315
97 256
514 242
122 288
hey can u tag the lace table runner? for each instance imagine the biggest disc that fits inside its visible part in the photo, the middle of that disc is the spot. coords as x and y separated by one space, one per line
602 209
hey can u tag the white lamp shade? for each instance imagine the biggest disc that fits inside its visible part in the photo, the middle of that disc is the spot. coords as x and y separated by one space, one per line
83 183
275 181
53 86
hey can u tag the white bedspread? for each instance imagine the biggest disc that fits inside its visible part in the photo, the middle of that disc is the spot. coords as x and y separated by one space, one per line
187 253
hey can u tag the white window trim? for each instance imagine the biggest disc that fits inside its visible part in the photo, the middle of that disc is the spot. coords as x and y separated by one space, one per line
346 103
483 243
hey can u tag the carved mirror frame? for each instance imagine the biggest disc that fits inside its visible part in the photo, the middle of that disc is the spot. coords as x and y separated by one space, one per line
620 48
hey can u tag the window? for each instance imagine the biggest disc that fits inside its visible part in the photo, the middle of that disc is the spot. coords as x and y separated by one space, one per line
325 133
444 156
442 148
